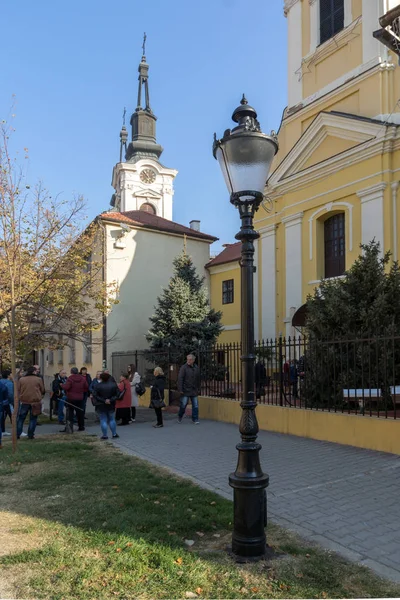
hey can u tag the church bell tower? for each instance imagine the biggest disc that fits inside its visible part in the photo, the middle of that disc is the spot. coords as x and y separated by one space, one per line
141 182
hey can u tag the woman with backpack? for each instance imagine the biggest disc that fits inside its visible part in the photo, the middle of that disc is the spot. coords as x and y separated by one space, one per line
157 396
135 381
124 402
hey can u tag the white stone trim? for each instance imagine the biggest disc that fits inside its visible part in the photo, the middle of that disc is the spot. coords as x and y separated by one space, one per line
348 18
268 282
371 48
395 187
268 230
334 190
314 25
294 263
294 51
287 5
347 78
323 125
377 145
231 327
371 193
255 295
293 220
328 208
225 267
372 221
316 281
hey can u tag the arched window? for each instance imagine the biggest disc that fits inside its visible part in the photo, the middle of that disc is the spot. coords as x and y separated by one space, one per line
335 246
147 207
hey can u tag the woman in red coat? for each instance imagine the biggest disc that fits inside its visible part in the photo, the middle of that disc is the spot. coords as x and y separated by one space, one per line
125 402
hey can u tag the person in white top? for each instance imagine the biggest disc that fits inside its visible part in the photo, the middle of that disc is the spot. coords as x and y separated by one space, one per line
134 378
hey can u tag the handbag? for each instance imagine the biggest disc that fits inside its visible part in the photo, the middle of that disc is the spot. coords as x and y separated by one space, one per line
36 409
158 402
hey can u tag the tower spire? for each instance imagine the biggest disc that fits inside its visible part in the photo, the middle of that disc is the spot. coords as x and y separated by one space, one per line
143 120
123 136
143 79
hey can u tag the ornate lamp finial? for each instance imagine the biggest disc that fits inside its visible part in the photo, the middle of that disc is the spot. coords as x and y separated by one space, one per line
243 100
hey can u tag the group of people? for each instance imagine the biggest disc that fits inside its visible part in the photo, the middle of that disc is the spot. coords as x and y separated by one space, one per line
113 402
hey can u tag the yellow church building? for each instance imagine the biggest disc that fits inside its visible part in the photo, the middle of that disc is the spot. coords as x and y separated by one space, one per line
334 182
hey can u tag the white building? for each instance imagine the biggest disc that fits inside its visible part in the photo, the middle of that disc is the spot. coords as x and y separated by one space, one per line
140 241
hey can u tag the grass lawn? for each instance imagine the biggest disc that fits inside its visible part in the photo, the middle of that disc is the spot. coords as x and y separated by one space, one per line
79 520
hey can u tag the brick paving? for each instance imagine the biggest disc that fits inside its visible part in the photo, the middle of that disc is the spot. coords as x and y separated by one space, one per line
344 498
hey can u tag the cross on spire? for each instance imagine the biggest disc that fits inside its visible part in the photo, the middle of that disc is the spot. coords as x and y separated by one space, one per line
144 46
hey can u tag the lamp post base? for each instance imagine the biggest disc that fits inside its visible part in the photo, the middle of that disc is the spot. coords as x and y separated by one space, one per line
250 503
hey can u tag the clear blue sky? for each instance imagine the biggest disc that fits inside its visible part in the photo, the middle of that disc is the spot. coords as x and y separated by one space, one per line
73 67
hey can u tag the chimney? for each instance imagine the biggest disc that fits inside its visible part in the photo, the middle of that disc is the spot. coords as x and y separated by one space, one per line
195 225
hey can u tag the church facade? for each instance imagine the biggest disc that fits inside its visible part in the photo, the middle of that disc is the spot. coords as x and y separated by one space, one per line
334 183
139 242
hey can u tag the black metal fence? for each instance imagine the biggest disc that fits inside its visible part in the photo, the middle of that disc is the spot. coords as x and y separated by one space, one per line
354 376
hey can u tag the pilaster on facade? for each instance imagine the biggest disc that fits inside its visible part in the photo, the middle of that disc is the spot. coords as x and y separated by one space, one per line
395 188
268 281
372 220
294 265
293 13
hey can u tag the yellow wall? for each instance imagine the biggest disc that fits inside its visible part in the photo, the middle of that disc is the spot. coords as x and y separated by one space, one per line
363 432
230 312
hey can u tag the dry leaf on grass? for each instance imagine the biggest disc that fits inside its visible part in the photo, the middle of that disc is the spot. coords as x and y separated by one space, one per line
189 542
119 549
254 589
200 533
190 595
199 590
178 561
111 543
213 503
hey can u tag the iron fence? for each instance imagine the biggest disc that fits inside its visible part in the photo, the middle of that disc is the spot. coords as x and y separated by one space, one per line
355 376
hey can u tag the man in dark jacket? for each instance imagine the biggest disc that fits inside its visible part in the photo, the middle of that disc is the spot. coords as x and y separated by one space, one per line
189 387
88 378
75 388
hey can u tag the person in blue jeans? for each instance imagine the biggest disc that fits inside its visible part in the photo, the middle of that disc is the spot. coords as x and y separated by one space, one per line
189 387
8 405
3 399
105 396
31 391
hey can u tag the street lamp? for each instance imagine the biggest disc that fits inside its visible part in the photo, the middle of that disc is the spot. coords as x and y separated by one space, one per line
245 155
389 34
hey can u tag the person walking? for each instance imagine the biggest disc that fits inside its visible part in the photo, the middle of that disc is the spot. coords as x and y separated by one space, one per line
134 379
31 391
8 405
88 378
105 396
124 401
59 396
189 386
157 396
75 388
3 400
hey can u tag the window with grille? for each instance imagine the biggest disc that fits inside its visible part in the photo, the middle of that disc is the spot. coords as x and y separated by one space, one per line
331 18
335 246
227 291
87 348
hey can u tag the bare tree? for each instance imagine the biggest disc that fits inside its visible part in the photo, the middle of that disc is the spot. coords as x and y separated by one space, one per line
51 281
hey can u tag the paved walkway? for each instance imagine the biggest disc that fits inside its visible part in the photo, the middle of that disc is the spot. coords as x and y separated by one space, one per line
345 498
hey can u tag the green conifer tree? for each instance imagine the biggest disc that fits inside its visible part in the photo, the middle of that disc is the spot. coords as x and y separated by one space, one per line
353 327
183 321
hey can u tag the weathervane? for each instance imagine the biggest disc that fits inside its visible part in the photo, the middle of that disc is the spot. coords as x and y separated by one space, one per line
123 116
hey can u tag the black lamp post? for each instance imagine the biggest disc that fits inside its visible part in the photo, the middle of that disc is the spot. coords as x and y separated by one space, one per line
245 155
